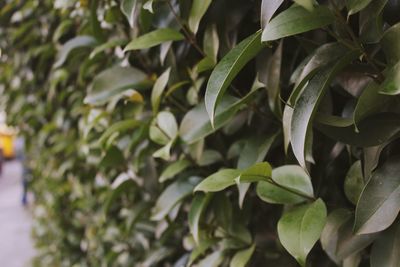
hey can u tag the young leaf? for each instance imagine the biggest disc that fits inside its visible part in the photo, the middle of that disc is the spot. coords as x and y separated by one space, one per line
227 69
158 89
172 195
385 250
307 104
114 81
242 257
354 182
300 228
295 20
218 181
199 8
74 43
154 38
379 203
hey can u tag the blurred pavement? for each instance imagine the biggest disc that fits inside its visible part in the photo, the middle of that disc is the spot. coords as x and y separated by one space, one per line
16 248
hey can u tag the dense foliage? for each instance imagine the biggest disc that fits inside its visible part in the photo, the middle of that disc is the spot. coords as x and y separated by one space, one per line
208 133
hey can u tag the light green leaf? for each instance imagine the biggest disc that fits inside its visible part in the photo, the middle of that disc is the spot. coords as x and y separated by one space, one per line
199 8
110 44
114 81
174 169
149 6
129 9
199 204
290 185
242 257
209 157
202 247
355 6
379 203
354 182
258 172
300 228
295 20
268 9
307 104
218 181
164 128
158 89
391 84
117 128
74 43
391 44
154 38
385 250
212 260
164 152
307 4
172 195
227 69
211 42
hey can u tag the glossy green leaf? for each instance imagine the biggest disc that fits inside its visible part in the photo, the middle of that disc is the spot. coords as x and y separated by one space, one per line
199 8
307 4
174 169
71 45
173 194
164 128
300 228
258 172
307 104
158 89
212 260
391 84
354 182
199 204
379 203
295 20
154 38
227 69
355 6
385 251
114 81
242 257
218 181
371 22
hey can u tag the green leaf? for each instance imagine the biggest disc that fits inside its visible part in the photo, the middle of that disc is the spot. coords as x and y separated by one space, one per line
290 185
199 8
121 184
385 250
371 22
114 81
307 104
391 44
212 260
227 69
196 123
112 158
295 20
218 181
209 157
354 182
355 6
242 257
74 43
211 42
330 233
110 44
174 169
307 4
199 204
158 89
118 127
300 228
374 130
163 128
379 203
260 171
172 195
391 84
350 243
268 9
154 38
370 102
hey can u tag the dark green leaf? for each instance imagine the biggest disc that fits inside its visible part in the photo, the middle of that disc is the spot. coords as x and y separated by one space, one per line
354 182
199 204
174 169
391 44
74 43
385 251
355 6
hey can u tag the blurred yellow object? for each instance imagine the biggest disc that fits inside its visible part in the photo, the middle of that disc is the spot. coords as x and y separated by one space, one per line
7 145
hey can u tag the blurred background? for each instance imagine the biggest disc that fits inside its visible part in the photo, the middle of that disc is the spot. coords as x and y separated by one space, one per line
16 247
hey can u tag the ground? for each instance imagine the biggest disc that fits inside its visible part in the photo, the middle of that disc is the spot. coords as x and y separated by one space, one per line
16 247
